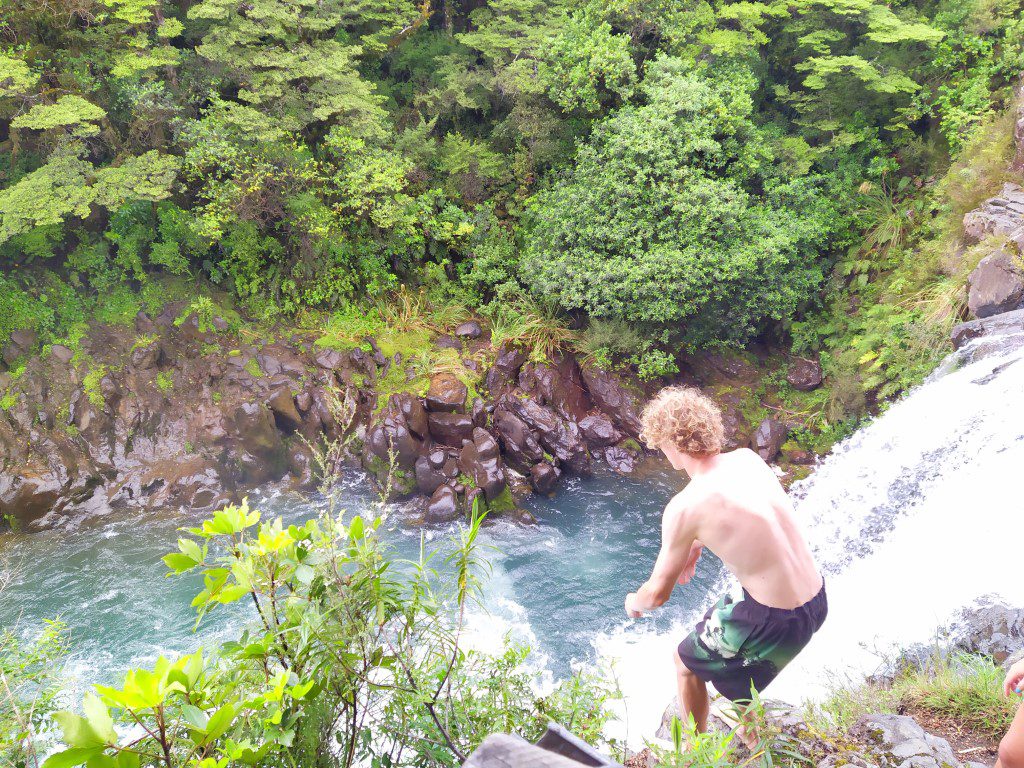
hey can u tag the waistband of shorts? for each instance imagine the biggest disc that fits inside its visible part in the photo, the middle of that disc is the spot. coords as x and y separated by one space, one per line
803 608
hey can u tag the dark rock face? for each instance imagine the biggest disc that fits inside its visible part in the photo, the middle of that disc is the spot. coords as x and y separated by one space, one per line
481 460
1006 324
450 428
996 285
620 459
282 405
430 472
768 438
804 375
443 506
560 387
521 447
544 477
599 431
446 394
390 436
562 438
502 375
612 397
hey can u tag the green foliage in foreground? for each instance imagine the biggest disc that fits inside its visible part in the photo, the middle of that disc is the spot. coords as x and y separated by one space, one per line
354 658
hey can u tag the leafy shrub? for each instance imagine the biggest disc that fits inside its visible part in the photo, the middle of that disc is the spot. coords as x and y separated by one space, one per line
351 660
660 221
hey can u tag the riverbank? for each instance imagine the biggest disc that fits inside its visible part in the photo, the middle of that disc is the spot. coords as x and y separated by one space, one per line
189 405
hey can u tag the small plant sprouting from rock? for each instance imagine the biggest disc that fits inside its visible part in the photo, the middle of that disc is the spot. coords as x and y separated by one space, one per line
165 382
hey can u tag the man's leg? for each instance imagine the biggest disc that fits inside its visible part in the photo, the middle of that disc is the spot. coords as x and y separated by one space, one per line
693 695
1011 748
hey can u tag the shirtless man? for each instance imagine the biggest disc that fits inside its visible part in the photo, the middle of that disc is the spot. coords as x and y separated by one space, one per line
734 506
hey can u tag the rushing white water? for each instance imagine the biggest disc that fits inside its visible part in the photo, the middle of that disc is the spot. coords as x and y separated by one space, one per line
914 517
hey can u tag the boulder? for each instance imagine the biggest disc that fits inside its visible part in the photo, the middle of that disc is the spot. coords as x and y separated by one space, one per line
599 431
450 428
999 216
469 330
611 396
768 438
430 471
521 447
443 506
996 285
502 374
621 460
330 359
559 386
898 741
803 374
414 413
61 354
990 628
478 412
446 394
544 477
480 460
390 434
560 437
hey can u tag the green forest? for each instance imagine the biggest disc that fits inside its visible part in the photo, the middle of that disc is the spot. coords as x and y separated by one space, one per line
657 177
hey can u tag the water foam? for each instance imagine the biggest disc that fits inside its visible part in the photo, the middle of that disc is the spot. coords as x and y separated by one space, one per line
914 517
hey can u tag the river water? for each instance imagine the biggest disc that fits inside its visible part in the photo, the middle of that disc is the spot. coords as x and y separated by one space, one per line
917 515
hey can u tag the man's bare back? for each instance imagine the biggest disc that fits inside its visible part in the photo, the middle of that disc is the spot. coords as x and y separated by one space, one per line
738 509
735 506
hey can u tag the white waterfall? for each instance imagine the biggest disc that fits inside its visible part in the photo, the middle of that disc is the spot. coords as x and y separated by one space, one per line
915 516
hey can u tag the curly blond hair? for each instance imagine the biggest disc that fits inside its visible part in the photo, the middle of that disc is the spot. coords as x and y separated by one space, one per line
684 417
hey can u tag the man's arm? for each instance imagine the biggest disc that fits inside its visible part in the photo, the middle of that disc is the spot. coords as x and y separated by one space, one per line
678 548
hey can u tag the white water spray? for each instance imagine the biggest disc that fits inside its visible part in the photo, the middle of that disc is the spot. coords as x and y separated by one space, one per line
913 518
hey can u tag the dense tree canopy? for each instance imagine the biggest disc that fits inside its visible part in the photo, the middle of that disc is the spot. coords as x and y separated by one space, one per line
688 168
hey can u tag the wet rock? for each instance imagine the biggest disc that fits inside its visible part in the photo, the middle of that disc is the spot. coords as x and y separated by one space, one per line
521 447
1005 324
414 413
300 463
845 758
261 453
562 387
768 438
559 436
443 506
478 412
736 430
996 285
599 431
446 394
480 459
711 367
450 428
998 216
430 472
992 629
898 740
448 342
620 459
147 356
800 457
389 436
612 397
502 375
282 405
804 375
469 330
544 477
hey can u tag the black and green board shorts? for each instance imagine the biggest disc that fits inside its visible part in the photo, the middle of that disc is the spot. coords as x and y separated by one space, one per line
744 644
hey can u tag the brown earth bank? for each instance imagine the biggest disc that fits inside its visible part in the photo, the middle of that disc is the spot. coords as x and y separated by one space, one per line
175 411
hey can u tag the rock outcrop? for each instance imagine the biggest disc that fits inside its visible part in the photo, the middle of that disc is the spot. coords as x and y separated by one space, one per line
898 741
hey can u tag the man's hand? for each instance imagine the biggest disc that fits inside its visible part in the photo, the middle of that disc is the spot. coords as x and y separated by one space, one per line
631 610
1012 683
